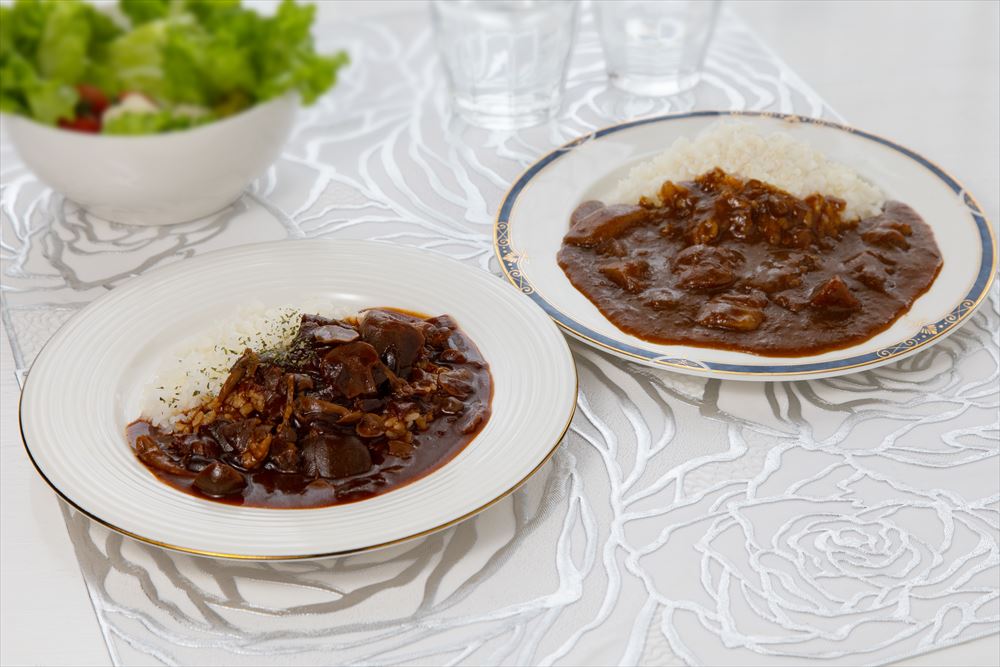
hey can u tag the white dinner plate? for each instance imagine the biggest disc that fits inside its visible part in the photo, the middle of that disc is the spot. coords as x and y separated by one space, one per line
88 381
535 215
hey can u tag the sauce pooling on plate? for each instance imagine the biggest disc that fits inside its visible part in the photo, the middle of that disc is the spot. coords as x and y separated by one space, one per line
742 265
348 410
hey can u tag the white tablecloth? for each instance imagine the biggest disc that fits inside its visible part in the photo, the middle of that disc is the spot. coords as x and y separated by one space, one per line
592 598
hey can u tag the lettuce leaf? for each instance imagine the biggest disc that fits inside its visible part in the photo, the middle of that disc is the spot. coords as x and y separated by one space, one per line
136 58
213 12
50 100
287 57
62 50
144 11
153 122
21 26
23 92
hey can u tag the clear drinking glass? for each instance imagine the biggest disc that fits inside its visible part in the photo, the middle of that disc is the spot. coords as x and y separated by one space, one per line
655 47
505 60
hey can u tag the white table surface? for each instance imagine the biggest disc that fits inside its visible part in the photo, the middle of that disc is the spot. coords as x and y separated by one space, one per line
923 74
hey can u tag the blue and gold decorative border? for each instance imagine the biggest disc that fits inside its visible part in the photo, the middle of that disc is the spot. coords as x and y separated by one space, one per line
933 331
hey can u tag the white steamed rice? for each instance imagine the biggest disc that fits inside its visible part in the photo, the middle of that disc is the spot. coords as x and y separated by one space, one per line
196 367
742 150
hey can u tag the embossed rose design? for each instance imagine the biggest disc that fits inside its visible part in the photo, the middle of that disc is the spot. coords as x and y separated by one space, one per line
822 558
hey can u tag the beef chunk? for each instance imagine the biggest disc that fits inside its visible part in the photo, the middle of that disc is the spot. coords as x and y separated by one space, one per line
885 237
247 440
627 274
473 419
769 278
218 479
611 248
889 231
783 271
349 368
334 455
457 382
584 210
397 338
834 296
257 447
203 446
605 223
869 270
284 455
733 312
662 298
705 267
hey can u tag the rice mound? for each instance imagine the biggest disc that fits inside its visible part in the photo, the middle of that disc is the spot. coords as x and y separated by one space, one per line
195 369
740 149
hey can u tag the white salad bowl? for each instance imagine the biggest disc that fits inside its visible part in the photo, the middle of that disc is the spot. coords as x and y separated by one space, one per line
157 179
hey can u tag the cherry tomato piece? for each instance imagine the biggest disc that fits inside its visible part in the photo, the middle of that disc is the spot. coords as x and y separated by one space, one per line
81 124
92 98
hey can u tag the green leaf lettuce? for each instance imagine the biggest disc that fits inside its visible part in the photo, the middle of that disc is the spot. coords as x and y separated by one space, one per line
213 54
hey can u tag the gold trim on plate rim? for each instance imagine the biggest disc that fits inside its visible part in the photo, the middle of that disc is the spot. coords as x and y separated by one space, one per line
346 552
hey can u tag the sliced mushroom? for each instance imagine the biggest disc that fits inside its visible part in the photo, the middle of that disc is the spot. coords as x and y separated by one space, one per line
370 426
289 399
310 407
334 334
244 366
150 453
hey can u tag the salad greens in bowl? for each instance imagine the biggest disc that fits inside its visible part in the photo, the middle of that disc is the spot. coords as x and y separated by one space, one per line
154 112
148 66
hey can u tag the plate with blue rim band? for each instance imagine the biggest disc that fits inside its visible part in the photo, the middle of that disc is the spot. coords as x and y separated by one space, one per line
535 214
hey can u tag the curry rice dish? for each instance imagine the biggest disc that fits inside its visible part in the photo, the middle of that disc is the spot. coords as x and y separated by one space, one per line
753 242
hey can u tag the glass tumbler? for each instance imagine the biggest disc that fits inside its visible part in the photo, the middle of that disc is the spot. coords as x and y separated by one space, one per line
505 60
655 47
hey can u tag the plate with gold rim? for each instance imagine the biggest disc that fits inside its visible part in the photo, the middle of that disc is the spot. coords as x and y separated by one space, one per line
87 385
535 214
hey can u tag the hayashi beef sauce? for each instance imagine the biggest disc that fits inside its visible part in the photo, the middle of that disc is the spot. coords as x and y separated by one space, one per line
742 265
348 410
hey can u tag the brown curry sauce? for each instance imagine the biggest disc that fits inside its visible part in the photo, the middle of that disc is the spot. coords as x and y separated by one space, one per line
741 265
349 411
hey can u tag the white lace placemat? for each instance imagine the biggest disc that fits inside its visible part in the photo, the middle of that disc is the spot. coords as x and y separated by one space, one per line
852 520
